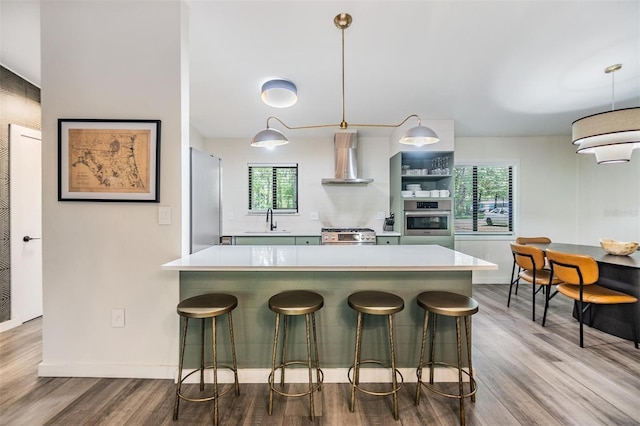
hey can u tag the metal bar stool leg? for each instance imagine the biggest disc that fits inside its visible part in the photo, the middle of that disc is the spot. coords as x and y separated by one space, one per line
214 339
356 362
315 345
460 384
471 379
233 355
425 327
393 368
310 367
273 363
285 320
434 319
176 405
202 326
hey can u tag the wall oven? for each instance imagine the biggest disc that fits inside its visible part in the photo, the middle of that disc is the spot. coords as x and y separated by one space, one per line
427 218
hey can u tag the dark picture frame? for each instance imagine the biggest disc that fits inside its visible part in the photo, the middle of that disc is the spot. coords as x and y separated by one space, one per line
108 160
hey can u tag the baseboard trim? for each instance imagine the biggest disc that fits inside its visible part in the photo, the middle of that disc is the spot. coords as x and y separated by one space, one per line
245 375
9 324
331 375
106 370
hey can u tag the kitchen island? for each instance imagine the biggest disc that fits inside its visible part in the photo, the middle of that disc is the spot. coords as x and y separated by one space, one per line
255 273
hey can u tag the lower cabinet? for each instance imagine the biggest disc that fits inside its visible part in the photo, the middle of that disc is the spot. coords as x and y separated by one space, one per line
276 240
279 240
282 240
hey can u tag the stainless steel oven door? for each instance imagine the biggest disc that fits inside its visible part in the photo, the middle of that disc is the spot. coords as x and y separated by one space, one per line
434 222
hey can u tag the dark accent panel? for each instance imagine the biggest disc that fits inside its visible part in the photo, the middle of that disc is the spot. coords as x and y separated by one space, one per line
19 104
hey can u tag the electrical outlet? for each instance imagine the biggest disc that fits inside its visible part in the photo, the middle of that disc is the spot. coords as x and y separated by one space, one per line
117 317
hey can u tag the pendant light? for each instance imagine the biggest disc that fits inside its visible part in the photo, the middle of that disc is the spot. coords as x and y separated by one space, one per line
418 135
611 136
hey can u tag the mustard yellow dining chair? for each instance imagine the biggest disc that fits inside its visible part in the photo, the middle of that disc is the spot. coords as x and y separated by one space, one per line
530 262
580 274
531 240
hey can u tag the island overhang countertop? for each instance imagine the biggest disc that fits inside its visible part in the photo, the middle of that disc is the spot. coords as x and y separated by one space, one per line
329 258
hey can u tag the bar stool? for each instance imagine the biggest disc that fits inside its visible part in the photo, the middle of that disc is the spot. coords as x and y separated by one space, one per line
205 306
295 303
450 305
375 303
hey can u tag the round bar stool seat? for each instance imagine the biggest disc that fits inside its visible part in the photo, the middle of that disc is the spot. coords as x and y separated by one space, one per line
207 305
290 304
454 305
202 307
375 303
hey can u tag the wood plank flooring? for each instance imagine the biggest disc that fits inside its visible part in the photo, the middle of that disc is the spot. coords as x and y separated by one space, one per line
527 375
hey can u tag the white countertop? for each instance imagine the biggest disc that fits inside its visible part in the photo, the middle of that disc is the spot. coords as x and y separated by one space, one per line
329 258
295 234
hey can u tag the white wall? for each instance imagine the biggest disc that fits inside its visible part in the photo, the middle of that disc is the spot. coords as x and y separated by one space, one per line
99 61
336 205
608 200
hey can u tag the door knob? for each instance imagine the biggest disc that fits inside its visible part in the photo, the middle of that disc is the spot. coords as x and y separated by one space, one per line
27 238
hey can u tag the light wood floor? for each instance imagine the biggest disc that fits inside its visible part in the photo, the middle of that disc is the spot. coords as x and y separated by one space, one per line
527 375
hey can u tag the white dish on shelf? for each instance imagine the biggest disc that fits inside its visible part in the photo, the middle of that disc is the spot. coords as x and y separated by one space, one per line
407 193
423 193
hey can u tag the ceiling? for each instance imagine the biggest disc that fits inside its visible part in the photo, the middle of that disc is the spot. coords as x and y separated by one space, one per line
497 68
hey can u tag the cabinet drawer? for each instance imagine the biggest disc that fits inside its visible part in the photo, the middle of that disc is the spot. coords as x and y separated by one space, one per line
307 241
388 240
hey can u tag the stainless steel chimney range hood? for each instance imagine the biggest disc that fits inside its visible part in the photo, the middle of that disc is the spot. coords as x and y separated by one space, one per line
346 160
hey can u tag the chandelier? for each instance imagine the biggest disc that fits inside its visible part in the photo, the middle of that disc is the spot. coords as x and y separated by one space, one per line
611 136
418 135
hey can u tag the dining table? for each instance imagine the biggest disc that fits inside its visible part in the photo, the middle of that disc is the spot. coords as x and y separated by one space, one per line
621 273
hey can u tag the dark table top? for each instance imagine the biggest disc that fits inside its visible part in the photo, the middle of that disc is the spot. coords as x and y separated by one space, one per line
631 261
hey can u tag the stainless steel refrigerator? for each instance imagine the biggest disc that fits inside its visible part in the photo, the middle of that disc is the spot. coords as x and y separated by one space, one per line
205 196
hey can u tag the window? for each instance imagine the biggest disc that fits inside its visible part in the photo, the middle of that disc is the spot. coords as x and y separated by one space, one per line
273 186
483 199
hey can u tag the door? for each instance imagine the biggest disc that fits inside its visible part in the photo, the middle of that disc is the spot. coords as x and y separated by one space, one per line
25 171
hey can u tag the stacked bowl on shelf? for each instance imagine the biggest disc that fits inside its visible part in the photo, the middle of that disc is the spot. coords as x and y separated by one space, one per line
412 188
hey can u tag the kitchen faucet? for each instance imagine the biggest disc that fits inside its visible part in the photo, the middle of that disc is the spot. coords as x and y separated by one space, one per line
271 225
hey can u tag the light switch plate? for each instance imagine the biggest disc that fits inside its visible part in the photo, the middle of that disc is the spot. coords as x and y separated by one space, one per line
314 216
164 215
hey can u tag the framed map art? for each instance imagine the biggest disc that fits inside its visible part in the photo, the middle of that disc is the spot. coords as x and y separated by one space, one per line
108 160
